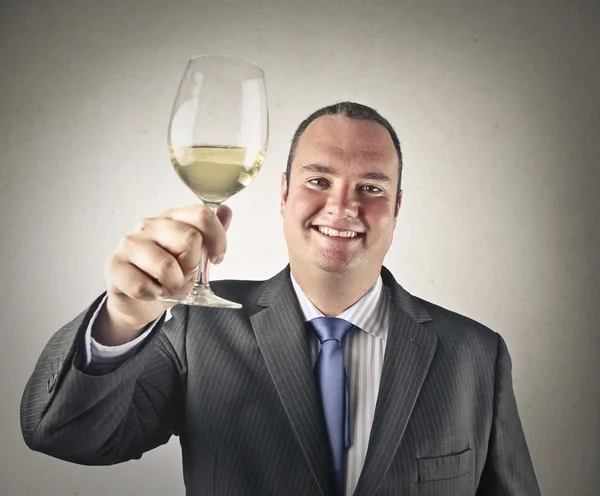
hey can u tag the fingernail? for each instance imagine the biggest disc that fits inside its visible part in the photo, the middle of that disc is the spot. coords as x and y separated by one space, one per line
218 259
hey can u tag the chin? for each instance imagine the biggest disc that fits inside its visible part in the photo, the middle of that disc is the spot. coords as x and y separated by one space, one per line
329 264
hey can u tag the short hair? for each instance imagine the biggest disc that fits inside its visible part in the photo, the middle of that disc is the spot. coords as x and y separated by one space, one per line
352 110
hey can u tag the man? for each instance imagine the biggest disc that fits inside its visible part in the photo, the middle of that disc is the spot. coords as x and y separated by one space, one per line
428 406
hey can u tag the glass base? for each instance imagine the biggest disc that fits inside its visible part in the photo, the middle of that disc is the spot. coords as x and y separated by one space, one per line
200 296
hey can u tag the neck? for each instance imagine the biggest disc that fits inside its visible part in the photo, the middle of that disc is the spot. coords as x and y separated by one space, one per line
333 292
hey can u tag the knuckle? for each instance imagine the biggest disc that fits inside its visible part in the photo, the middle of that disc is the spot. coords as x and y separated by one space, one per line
143 224
139 290
193 237
110 261
109 265
205 216
166 264
170 211
125 243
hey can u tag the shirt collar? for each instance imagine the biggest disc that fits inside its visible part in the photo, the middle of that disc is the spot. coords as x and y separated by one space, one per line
370 313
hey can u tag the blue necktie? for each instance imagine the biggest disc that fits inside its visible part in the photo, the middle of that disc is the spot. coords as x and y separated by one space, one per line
331 380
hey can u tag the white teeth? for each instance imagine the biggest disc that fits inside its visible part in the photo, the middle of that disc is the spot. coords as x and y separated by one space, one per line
340 234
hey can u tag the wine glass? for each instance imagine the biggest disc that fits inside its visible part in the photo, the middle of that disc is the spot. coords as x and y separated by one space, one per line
217 140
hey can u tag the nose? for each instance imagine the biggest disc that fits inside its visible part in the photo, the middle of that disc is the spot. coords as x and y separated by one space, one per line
342 202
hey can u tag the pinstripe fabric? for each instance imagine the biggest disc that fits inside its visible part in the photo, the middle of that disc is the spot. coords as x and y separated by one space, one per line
237 387
103 359
363 357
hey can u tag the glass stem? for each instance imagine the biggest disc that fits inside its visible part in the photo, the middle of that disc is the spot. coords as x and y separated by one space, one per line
204 268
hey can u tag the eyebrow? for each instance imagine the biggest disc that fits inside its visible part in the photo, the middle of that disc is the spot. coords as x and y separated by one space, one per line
324 169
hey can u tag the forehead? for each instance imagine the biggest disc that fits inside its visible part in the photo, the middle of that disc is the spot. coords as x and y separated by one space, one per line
335 138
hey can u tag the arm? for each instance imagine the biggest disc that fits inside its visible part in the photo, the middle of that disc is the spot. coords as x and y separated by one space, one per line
104 415
101 359
508 469
105 419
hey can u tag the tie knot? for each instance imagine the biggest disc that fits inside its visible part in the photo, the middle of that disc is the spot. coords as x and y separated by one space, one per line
327 328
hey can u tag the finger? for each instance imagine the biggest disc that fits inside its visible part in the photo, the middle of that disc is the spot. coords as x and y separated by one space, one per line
152 259
225 215
129 280
180 239
207 222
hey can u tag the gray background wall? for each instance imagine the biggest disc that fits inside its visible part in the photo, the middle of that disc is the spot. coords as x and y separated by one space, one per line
497 106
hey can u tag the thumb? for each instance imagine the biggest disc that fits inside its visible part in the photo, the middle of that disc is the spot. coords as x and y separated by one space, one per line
224 214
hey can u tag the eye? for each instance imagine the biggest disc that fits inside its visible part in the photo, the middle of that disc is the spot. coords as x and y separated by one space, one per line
317 182
369 188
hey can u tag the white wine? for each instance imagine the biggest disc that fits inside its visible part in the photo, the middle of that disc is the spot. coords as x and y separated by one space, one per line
214 173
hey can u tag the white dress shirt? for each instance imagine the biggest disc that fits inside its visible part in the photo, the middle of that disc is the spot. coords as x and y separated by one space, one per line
364 349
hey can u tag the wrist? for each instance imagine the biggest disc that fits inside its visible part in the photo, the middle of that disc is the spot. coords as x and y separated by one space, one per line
113 329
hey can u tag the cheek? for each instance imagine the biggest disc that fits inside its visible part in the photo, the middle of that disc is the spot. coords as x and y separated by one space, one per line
380 217
302 206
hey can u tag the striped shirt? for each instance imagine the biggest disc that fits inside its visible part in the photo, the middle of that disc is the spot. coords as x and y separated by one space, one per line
364 349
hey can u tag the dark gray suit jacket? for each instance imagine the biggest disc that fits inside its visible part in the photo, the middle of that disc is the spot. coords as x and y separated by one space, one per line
237 387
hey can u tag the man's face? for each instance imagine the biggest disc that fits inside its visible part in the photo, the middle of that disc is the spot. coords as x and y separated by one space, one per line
340 212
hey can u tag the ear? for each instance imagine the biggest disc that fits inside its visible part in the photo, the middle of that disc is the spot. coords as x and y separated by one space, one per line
398 204
283 192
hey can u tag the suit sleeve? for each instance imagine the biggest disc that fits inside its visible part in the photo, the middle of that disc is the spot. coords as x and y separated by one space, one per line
508 470
105 419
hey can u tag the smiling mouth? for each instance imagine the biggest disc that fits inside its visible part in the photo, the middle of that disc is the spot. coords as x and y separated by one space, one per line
327 231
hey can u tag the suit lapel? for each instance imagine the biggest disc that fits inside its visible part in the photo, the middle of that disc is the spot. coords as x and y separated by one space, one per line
280 332
408 355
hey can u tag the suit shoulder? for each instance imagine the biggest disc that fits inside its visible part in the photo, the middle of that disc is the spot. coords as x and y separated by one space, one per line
450 324
443 322
462 337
